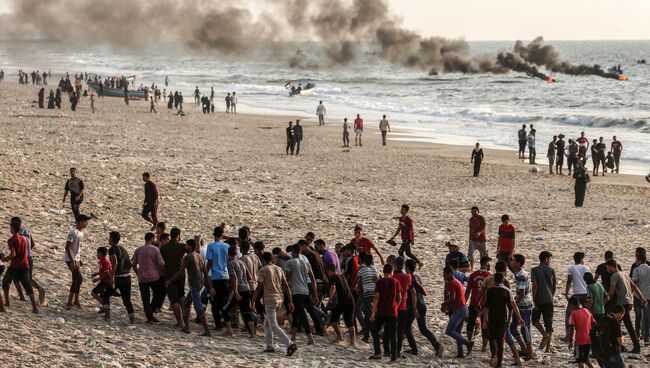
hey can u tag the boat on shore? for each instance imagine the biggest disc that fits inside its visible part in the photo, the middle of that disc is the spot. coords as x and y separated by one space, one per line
115 92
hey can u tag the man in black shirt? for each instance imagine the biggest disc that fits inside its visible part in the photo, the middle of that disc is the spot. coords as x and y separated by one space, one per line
607 339
500 305
291 139
121 273
601 271
559 156
75 186
172 254
150 205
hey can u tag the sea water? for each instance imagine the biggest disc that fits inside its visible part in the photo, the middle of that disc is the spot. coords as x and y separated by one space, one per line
447 108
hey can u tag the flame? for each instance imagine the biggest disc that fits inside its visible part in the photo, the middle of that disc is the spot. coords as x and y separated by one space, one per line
550 79
623 77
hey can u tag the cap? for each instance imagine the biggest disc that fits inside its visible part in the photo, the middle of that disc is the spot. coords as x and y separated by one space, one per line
451 243
83 218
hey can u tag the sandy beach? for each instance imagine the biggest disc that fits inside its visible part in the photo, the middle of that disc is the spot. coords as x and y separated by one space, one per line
232 168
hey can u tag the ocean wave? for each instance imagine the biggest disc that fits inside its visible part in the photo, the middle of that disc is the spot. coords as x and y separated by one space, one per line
604 122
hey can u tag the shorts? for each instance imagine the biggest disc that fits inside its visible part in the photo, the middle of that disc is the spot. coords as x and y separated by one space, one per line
348 314
582 352
522 145
544 311
17 275
176 290
100 288
358 132
474 246
193 297
31 271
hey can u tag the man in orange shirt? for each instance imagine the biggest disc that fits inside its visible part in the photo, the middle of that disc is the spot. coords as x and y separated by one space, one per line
358 130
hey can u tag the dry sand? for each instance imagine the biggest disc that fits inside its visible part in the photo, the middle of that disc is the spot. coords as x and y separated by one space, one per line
214 168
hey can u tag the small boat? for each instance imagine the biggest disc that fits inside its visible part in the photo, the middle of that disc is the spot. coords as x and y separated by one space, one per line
115 92
300 90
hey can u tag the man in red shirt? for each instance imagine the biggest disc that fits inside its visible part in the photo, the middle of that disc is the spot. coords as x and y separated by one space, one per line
455 306
364 245
388 296
350 266
405 229
617 150
474 286
358 130
402 313
477 237
506 243
18 266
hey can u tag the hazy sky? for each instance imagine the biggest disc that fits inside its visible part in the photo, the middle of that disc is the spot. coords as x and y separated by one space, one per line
521 19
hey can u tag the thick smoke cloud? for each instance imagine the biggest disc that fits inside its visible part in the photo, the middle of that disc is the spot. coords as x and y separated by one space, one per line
340 25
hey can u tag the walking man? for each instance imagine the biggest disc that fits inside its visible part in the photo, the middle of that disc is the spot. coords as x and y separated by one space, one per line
150 204
617 150
346 134
75 186
550 154
384 127
320 111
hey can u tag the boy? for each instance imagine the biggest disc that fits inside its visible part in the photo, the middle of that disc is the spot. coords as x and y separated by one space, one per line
103 279
193 264
387 298
506 242
405 229
580 322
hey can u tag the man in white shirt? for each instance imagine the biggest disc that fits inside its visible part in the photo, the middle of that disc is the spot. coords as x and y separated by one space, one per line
320 111
532 153
576 277
233 103
72 258
641 278
384 127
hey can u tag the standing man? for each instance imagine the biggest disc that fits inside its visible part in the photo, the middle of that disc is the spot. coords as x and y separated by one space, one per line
583 145
550 154
385 303
617 150
346 134
291 139
365 245
384 127
150 204
477 159
233 103
18 266
217 268
521 134
405 229
75 186
297 135
477 300
228 99
72 258
559 154
152 107
477 237
532 153
197 95
624 289
302 278
272 284
506 242
544 286
601 147
358 130
147 263
172 254
320 111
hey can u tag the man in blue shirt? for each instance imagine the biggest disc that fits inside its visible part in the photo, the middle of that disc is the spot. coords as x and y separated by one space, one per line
217 266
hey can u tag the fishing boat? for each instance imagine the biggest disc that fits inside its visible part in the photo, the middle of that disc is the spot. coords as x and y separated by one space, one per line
300 90
115 92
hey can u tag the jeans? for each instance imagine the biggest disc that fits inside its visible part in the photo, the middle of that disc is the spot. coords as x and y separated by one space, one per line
75 204
77 280
359 309
525 329
271 326
640 320
551 161
615 361
123 284
298 146
146 288
646 320
406 249
455 327
422 326
219 301
389 337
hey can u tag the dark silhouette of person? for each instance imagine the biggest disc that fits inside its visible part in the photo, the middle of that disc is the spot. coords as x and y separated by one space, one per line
41 98
582 178
51 100
477 158
73 101
291 140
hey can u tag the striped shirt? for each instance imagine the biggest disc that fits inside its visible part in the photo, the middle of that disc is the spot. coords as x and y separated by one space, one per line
368 276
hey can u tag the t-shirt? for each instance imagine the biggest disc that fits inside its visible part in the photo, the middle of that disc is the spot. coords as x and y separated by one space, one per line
387 290
543 278
383 125
454 286
458 256
358 124
122 267
623 286
506 241
343 294
320 110
597 292
217 252
28 238
406 224
368 276
499 301
237 267
617 147
605 275
522 283
577 273
415 279
612 334
404 283
104 270
75 237
74 186
18 244
581 320
550 152
351 269
272 277
521 134
329 258
148 259
531 140
476 224
315 262
641 276
253 265
150 192
475 284
298 269
172 253
582 141
194 266
363 244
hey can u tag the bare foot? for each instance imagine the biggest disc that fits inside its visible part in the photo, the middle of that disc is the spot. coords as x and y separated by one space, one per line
41 296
